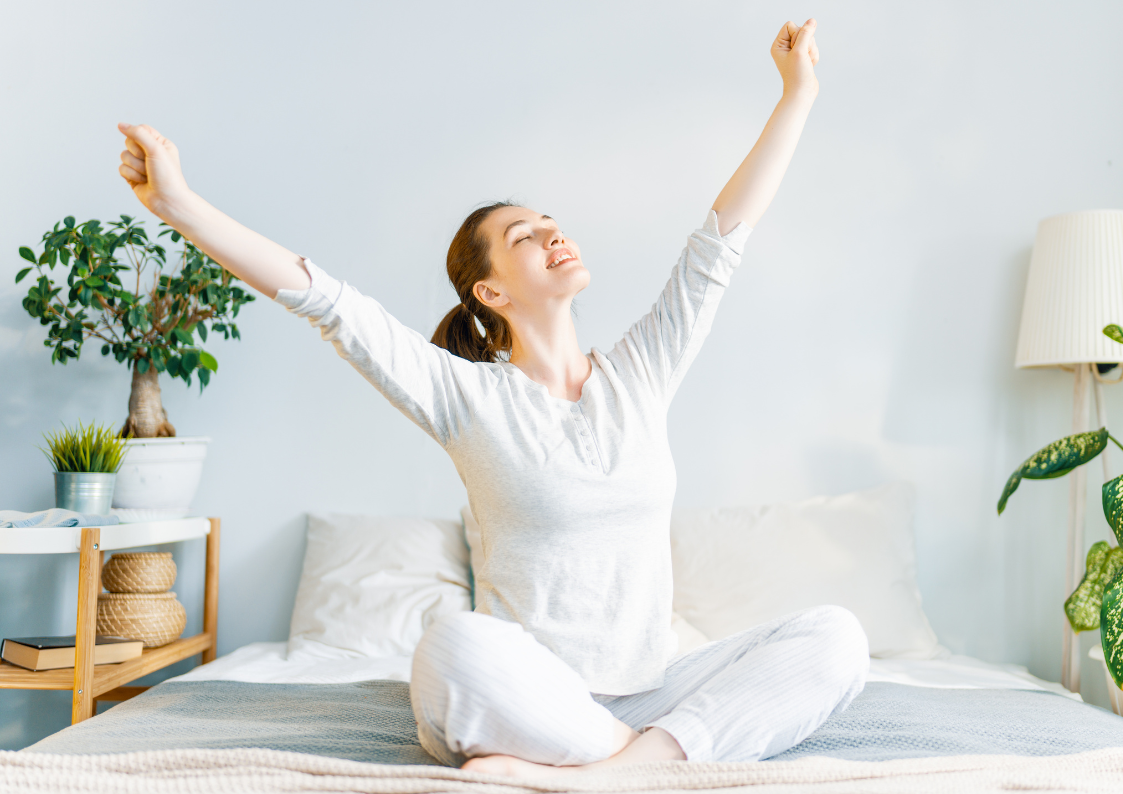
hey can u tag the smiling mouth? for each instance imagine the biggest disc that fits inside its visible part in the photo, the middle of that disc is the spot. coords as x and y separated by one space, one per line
562 256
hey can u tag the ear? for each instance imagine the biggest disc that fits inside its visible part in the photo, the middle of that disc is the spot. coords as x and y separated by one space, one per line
489 297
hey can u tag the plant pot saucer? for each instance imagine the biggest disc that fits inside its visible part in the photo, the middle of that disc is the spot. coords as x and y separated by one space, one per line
136 515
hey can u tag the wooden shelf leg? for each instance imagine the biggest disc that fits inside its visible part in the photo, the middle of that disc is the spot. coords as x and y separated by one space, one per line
210 590
85 630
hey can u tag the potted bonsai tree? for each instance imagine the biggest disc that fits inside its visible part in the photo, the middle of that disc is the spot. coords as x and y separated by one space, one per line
151 310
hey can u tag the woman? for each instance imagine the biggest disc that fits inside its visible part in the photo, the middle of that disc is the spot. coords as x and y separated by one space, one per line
564 455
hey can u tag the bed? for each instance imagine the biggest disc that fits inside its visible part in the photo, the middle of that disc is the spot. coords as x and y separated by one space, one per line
329 709
359 710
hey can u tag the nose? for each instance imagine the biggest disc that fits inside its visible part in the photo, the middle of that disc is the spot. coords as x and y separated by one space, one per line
555 239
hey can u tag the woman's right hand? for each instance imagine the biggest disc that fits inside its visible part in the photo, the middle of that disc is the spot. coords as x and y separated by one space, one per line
796 54
150 164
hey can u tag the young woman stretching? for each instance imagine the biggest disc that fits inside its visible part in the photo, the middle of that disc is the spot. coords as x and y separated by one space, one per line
564 455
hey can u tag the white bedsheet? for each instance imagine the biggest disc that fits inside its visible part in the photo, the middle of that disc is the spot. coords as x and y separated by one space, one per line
269 663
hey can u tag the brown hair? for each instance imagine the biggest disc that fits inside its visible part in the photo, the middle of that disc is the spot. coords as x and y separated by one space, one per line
469 262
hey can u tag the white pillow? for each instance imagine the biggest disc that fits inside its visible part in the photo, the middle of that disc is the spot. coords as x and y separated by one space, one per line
372 585
738 567
475 545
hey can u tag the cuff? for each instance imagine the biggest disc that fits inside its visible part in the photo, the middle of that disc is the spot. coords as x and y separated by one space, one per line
736 237
322 283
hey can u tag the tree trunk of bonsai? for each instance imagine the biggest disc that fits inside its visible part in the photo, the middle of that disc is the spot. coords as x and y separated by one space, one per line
147 417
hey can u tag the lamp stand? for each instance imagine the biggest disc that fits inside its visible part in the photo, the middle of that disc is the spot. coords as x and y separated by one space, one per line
1077 500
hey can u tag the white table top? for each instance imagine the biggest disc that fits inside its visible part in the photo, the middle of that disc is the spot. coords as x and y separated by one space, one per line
66 540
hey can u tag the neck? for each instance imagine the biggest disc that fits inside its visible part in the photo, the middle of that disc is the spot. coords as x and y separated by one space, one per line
545 348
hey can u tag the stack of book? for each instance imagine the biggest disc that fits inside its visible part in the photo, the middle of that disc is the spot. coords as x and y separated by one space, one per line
51 653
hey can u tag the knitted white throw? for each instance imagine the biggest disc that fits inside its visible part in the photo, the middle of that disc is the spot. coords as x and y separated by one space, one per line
219 771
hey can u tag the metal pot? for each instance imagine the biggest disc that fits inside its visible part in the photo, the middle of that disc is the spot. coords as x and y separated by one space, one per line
84 492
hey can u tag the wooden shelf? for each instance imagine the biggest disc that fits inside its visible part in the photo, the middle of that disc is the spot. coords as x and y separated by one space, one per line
88 681
68 540
106 676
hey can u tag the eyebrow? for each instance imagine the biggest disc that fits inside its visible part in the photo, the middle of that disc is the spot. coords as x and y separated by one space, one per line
513 224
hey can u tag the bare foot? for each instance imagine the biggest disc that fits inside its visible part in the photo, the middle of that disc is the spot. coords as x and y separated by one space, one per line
654 745
509 766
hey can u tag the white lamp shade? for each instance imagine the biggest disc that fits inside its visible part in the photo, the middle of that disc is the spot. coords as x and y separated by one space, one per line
1075 288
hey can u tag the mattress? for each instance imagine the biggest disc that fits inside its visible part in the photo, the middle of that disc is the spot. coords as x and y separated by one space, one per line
269 662
908 710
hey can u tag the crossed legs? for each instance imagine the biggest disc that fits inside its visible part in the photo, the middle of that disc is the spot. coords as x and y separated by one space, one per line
489 697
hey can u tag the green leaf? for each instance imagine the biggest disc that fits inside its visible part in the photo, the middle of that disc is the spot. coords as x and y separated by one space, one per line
202 329
94 281
1111 627
207 361
1112 493
27 254
183 336
69 221
1056 460
1083 606
20 275
141 365
1114 332
1011 486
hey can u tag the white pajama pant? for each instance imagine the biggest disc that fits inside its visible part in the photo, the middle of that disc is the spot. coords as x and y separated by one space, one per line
482 686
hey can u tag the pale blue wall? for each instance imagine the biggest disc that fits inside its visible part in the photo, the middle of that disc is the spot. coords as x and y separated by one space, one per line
870 335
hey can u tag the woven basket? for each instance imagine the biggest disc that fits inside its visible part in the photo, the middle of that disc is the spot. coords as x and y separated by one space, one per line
139 572
154 618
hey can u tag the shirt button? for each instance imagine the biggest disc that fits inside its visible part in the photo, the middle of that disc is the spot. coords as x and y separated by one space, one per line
576 410
589 448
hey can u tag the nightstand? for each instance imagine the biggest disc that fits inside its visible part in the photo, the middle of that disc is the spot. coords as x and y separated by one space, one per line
88 682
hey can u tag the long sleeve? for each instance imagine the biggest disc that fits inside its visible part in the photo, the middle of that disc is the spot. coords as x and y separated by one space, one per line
423 381
660 347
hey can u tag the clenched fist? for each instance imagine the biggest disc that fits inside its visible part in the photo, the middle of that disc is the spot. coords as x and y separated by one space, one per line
150 164
796 54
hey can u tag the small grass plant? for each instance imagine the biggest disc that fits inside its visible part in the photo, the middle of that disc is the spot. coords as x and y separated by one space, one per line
86 449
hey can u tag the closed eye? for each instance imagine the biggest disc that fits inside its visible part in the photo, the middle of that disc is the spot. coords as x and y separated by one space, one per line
522 238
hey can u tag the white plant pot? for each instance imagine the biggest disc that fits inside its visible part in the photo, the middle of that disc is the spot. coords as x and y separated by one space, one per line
158 478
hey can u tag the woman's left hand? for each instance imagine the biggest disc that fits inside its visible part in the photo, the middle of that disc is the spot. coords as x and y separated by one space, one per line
796 54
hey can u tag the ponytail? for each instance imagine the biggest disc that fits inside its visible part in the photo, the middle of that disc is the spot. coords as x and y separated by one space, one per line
457 333
469 263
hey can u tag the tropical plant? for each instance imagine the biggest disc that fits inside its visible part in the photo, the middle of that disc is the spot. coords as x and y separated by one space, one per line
85 449
1097 602
155 325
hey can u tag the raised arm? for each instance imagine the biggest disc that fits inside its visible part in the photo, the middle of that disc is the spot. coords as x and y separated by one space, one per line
150 164
749 192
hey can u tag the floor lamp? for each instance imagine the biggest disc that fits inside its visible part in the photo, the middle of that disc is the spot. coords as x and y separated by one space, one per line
1075 288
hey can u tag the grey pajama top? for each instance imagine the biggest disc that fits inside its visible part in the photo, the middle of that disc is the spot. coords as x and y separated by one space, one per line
573 499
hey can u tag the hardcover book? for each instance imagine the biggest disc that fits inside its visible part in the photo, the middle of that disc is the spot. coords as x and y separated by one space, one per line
51 653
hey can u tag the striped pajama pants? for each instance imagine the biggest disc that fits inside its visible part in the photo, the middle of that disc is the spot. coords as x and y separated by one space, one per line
482 686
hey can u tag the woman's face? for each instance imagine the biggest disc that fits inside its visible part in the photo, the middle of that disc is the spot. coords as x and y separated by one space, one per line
532 263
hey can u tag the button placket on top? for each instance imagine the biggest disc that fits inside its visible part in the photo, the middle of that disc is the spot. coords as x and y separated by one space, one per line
585 436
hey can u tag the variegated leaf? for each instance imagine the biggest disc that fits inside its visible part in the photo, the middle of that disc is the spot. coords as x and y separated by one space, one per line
1113 506
1056 460
1083 606
1114 332
1111 627
1011 486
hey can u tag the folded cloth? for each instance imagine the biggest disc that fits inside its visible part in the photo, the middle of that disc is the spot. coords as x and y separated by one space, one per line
55 517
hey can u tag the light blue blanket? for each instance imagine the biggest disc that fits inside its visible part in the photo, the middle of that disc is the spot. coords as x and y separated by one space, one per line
55 517
372 721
